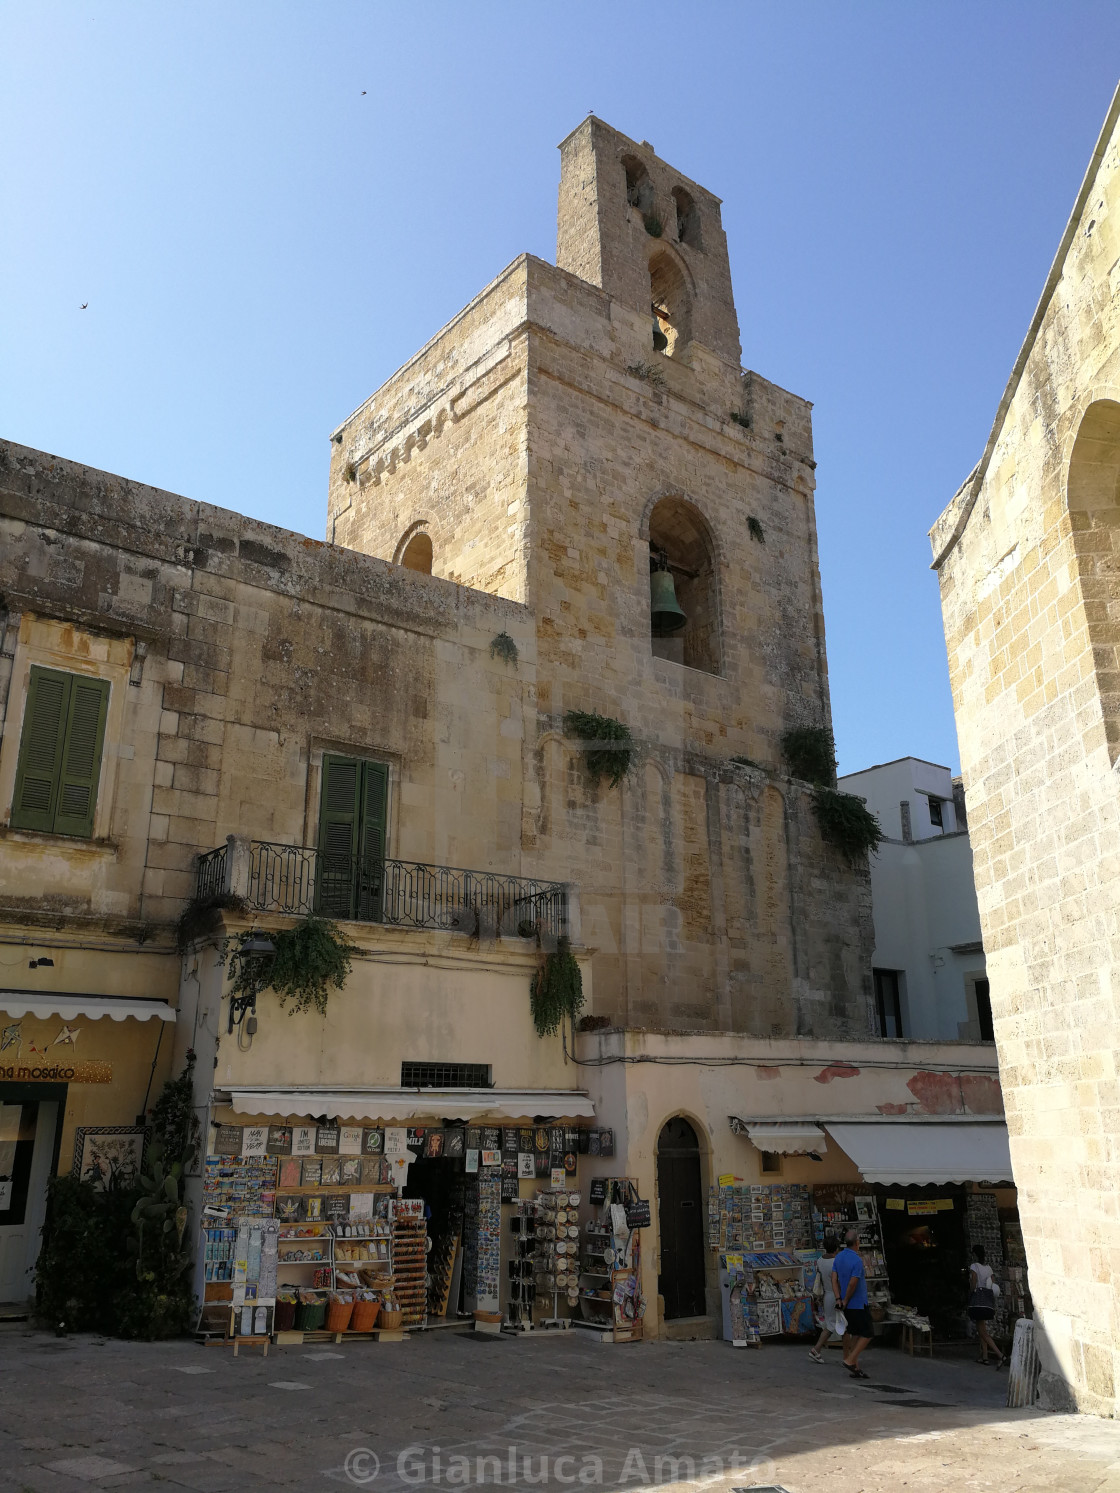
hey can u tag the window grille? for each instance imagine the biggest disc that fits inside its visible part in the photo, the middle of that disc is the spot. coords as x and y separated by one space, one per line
446 1076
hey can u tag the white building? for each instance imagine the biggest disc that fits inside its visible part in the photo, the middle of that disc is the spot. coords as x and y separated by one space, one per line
930 979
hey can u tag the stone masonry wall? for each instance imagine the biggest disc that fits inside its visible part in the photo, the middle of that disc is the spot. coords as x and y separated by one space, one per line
1019 565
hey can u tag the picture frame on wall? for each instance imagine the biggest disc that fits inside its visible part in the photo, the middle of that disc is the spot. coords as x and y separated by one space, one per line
109 1155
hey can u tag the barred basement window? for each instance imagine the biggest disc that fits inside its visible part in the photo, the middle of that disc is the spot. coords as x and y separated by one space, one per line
446 1076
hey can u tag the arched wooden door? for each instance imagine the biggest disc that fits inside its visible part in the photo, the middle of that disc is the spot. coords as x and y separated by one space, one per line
680 1214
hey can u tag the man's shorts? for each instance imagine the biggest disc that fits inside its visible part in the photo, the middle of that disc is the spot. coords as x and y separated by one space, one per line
859 1321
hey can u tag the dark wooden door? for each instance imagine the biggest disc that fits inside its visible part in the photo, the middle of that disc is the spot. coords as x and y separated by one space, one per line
681 1219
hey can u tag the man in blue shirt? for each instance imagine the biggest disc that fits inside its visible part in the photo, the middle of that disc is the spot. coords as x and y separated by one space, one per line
849 1286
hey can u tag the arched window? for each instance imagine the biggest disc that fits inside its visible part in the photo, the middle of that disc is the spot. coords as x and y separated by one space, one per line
417 553
639 188
1094 511
688 219
670 304
681 543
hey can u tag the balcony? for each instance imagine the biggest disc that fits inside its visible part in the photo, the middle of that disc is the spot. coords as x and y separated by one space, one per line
297 879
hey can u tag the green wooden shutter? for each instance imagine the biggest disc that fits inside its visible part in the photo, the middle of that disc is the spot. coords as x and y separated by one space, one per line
339 813
375 784
81 756
40 750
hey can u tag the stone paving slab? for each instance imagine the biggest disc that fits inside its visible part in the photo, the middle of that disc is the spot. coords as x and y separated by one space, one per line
556 1412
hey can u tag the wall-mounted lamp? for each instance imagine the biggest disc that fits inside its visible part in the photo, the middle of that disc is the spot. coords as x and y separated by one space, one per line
253 946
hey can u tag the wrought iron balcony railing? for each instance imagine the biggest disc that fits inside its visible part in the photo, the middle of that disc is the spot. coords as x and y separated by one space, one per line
298 879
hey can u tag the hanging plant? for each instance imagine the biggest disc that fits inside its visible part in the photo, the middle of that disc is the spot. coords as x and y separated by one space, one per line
309 959
810 755
846 822
556 989
502 646
613 748
653 225
754 529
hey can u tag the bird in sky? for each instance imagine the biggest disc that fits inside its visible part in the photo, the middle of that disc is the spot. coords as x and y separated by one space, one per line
363 93
83 306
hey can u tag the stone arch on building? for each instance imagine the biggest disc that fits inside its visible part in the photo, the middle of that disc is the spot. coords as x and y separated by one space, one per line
681 540
688 218
1093 501
639 187
671 296
414 548
681 1191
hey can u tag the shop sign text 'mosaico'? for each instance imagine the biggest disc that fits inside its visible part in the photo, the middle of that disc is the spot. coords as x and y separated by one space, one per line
91 1072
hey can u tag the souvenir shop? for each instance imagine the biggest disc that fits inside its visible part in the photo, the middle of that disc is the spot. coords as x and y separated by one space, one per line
916 1240
372 1230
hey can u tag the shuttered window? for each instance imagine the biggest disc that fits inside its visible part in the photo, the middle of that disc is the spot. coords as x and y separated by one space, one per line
60 753
351 838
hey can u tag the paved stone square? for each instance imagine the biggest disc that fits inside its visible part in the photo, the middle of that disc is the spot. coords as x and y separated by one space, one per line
455 1409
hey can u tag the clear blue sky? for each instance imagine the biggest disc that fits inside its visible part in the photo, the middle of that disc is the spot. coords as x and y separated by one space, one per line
269 207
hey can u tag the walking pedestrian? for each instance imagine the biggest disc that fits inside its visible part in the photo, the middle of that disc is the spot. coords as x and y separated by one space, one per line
823 1294
849 1286
982 1303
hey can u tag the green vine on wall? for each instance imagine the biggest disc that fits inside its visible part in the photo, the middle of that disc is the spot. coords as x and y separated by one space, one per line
810 755
309 959
846 822
611 746
502 646
556 989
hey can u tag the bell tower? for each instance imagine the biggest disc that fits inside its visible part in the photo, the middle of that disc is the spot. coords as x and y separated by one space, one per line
648 236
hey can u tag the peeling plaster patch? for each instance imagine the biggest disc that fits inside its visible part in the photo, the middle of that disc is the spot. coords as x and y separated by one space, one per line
835 1070
892 1109
981 1094
937 1093
768 1073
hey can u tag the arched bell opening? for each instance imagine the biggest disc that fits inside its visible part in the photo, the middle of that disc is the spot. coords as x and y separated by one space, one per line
670 305
1093 495
639 188
688 219
684 610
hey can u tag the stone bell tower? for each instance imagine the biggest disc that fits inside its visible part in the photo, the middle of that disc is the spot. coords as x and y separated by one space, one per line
648 236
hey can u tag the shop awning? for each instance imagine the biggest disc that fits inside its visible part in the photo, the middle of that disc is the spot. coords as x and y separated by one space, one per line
919 1151
404 1104
787 1137
92 1007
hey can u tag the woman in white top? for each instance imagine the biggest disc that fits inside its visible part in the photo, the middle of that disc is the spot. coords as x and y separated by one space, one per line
982 1304
822 1293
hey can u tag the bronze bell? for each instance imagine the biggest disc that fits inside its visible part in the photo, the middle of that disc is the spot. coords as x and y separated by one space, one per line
666 616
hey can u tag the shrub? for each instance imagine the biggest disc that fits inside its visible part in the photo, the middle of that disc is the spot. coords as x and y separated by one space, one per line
810 755
846 822
556 990
613 747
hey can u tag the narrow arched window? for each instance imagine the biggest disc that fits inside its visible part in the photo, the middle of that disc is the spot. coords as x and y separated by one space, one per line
417 553
669 302
639 188
681 545
688 219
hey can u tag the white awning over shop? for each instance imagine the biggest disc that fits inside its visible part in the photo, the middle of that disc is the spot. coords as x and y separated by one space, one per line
919 1151
404 1104
92 1007
786 1137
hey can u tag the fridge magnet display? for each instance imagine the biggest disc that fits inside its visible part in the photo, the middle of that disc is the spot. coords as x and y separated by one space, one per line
303 1140
373 1141
326 1140
279 1140
228 1141
350 1140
